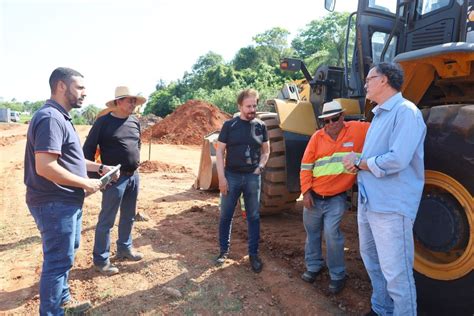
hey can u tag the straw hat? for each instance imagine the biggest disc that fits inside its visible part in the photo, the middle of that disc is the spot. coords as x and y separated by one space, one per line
123 92
330 109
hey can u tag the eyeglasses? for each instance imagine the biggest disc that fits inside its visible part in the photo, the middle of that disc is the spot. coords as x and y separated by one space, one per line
332 119
367 80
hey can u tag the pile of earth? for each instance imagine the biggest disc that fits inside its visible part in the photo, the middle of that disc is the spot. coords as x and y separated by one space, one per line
157 166
187 125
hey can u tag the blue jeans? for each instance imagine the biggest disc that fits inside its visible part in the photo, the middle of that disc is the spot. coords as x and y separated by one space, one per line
123 194
325 215
387 249
247 184
60 228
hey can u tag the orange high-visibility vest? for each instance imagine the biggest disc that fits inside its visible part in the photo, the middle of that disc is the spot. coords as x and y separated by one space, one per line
321 167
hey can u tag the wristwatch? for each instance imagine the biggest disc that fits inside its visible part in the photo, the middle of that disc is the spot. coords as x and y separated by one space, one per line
357 162
261 168
101 169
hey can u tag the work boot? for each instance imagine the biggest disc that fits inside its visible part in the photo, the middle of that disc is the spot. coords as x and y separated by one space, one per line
107 269
256 263
142 217
336 286
76 307
310 276
222 258
129 254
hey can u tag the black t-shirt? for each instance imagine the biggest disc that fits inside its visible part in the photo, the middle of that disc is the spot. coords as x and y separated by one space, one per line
118 140
243 141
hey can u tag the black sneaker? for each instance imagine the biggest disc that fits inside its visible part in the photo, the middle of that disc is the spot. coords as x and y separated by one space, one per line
310 276
256 263
222 258
336 286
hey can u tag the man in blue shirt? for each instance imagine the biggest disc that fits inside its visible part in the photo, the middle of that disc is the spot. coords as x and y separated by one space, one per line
55 178
390 179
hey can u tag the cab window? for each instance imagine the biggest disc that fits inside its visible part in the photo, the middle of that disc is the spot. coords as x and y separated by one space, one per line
378 42
428 6
388 6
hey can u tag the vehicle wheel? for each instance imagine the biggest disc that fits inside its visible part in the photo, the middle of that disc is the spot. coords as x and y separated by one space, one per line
275 197
444 227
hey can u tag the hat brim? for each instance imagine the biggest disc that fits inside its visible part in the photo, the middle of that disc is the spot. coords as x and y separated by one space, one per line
140 100
331 114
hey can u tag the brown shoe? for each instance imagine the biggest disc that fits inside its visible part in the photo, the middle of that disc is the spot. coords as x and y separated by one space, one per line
129 254
76 307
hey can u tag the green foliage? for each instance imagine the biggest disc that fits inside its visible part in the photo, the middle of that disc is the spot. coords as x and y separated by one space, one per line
162 102
322 41
26 106
90 113
276 38
77 118
257 66
247 57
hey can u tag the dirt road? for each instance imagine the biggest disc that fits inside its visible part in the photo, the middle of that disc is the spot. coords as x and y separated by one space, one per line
179 243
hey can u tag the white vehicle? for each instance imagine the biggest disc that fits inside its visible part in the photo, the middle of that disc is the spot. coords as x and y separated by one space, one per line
14 116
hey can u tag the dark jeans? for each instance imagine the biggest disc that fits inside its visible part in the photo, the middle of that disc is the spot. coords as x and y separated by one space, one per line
60 228
247 184
123 194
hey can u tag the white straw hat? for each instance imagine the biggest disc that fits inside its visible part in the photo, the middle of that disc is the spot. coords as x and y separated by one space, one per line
330 109
123 92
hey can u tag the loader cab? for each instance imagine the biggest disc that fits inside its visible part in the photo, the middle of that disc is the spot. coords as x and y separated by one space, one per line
387 28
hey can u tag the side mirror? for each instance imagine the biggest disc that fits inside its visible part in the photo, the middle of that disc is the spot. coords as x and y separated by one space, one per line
329 5
290 64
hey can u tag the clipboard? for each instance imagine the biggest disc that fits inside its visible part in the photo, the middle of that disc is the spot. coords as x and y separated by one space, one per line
107 178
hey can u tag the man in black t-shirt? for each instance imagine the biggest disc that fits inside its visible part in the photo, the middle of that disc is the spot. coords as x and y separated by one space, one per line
118 136
243 141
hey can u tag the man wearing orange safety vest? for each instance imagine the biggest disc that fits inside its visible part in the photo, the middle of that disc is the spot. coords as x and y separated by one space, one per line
324 182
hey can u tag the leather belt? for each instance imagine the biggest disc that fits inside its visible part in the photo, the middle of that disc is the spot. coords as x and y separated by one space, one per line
324 197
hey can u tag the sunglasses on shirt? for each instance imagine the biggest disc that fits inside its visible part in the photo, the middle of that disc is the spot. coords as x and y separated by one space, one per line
332 119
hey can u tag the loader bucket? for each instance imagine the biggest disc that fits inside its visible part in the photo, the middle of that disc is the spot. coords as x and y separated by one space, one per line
207 174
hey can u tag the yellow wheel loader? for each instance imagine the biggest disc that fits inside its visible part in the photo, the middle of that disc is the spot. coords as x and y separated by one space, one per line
433 40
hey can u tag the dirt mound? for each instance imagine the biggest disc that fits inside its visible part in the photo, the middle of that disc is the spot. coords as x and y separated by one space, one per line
157 166
187 124
8 140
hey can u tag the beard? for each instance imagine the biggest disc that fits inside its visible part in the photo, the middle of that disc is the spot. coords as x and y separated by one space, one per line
250 116
74 102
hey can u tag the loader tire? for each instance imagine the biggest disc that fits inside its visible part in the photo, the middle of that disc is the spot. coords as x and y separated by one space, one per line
274 197
444 227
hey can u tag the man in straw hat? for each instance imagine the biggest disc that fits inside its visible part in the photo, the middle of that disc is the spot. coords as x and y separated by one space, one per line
324 183
118 136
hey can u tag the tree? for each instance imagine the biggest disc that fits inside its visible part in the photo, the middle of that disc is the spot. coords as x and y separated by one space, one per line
162 102
322 41
276 38
90 113
206 62
246 57
271 45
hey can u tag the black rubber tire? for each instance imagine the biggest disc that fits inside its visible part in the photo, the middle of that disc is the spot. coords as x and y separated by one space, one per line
449 148
274 197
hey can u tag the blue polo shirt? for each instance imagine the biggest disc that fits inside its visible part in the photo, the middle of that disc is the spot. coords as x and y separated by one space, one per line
51 131
393 149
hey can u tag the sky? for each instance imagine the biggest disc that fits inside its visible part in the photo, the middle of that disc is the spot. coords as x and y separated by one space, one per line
131 42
